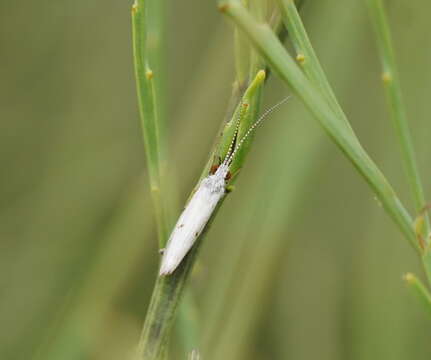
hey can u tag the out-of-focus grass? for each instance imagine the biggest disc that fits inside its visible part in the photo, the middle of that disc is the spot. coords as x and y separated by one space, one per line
71 150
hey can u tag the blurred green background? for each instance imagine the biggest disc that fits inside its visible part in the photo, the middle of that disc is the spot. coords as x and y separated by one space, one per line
301 262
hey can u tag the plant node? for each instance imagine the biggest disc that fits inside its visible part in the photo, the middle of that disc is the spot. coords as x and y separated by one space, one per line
409 278
386 77
300 58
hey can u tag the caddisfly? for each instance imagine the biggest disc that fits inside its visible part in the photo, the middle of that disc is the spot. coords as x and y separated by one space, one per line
199 209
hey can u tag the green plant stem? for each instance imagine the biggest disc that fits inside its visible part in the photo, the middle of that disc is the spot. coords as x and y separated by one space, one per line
148 114
259 9
242 59
160 314
282 63
392 87
306 57
147 34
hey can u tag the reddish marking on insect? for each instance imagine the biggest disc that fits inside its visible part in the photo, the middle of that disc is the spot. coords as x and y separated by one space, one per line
223 7
422 242
214 169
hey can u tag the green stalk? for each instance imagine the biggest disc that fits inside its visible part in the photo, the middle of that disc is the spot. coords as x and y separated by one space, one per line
242 59
333 122
259 9
147 37
148 114
160 314
306 57
391 81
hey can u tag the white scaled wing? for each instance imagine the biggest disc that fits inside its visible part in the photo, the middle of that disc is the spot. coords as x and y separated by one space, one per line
192 221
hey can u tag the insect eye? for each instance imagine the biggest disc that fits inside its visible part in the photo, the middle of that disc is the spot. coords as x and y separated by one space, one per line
228 176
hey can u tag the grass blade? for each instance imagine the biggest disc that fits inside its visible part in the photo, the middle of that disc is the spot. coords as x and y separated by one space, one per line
148 113
396 106
306 57
145 52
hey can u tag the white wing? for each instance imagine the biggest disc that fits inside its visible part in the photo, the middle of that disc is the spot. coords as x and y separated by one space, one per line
190 224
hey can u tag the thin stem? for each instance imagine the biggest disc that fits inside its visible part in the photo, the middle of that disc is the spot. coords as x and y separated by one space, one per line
147 37
148 114
160 314
242 58
282 63
391 81
306 56
258 8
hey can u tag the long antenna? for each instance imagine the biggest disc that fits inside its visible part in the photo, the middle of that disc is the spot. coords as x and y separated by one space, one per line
243 106
253 127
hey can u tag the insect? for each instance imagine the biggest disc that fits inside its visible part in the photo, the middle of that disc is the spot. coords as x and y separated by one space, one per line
199 209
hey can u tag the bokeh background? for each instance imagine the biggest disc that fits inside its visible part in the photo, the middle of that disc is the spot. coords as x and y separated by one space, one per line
301 263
